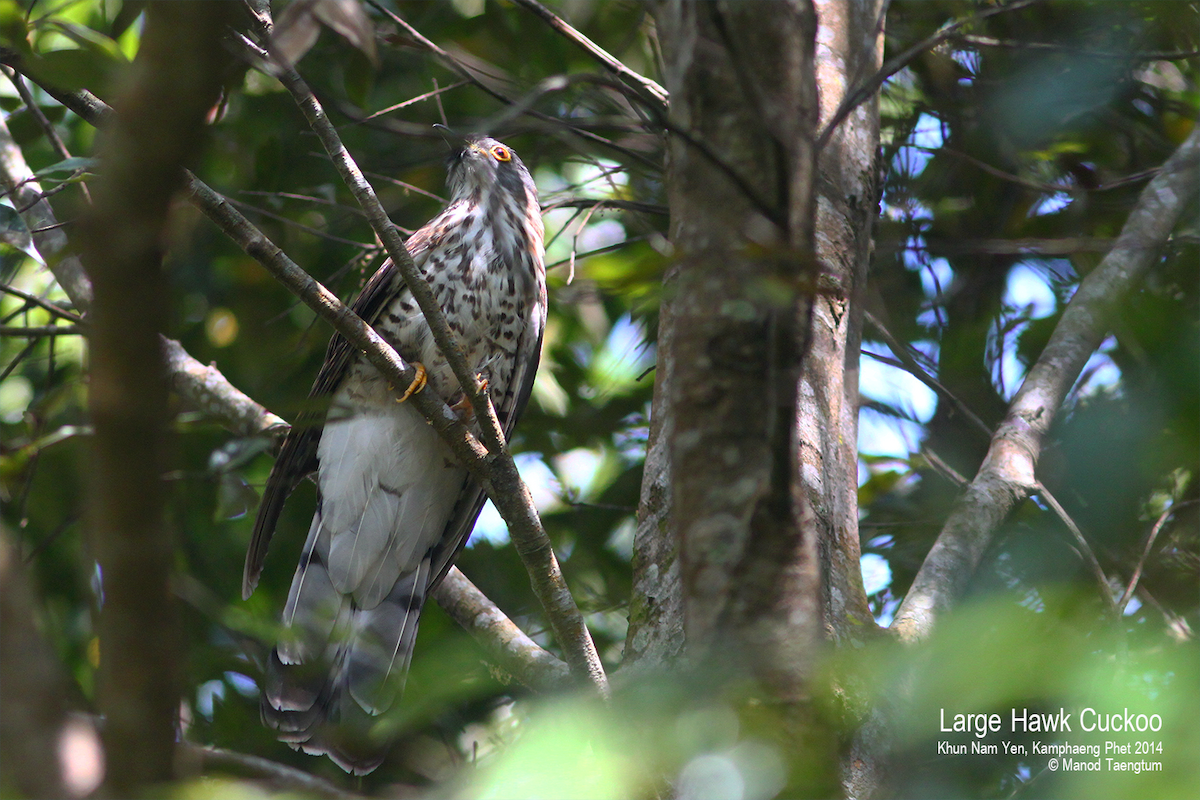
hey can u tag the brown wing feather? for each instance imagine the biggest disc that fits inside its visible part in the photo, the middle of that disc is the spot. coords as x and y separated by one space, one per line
473 497
298 457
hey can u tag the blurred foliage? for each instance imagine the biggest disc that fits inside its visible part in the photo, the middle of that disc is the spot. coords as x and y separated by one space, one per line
1011 155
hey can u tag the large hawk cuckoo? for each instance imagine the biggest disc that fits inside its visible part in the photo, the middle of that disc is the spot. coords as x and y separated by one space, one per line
393 506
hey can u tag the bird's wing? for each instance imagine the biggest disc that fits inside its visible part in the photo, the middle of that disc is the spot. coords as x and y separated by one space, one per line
298 457
508 411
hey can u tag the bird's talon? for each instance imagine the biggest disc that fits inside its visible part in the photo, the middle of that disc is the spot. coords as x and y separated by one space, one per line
418 383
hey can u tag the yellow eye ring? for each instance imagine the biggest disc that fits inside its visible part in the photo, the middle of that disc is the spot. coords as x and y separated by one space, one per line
500 153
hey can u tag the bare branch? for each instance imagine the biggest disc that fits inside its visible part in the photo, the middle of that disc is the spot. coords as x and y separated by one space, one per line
57 311
280 775
1137 572
202 386
640 83
1128 55
1007 474
1085 549
38 332
511 648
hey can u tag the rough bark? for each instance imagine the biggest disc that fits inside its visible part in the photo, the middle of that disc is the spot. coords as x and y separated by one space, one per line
655 638
849 52
159 126
743 112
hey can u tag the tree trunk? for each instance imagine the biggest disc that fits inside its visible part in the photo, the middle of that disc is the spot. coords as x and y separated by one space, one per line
849 51
159 125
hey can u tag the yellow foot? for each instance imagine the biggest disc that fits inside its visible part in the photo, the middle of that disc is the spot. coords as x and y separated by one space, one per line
418 383
463 406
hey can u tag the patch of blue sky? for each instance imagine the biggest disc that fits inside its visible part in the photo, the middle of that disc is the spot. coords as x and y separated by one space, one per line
624 356
1027 288
1100 373
928 132
894 386
936 277
543 486
888 612
910 161
207 695
242 684
600 233
1007 370
884 435
876 572
578 469
968 60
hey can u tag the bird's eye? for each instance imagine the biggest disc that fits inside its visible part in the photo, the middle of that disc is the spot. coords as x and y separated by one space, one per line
501 153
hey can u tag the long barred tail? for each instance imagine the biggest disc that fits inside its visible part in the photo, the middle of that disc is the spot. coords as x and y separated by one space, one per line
339 666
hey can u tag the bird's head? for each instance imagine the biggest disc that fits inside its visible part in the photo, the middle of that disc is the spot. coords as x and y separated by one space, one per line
482 165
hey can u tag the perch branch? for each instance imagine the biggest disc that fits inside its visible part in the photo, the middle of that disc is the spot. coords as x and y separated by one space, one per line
211 391
1007 474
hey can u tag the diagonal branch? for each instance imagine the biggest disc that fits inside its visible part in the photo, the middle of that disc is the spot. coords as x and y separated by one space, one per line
1007 474
460 69
498 474
500 637
203 386
638 82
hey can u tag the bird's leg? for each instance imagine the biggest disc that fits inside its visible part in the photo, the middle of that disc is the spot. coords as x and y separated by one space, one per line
418 383
463 407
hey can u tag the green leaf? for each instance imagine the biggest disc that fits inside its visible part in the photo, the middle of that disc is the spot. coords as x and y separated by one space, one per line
67 166
90 40
73 69
15 233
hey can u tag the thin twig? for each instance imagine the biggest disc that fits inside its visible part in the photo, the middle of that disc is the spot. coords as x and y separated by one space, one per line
1085 549
622 205
16 362
871 85
639 82
940 465
910 365
1137 572
306 228
41 331
458 67
1132 55
57 311
435 93
56 142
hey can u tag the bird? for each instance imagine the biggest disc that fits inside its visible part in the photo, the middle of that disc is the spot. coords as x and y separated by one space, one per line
394 507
